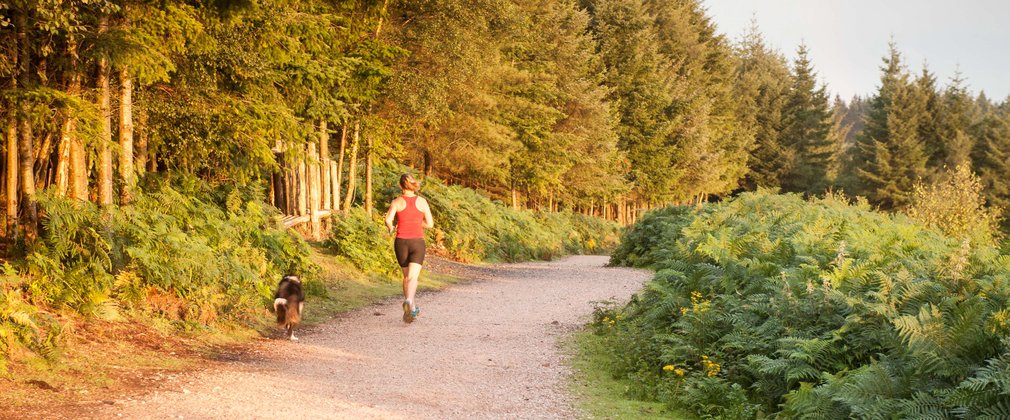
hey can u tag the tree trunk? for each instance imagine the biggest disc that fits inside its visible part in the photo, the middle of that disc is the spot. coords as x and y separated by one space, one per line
105 134
26 140
140 159
324 163
352 168
368 175
315 225
335 185
12 160
340 166
515 198
127 172
67 131
303 192
12 176
428 164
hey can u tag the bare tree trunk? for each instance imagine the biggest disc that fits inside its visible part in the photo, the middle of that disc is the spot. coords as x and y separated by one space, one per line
335 185
315 225
140 159
72 169
368 175
12 176
63 156
324 163
428 163
340 166
25 142
69 127
127 172
303 192
292 186
352 168
515 198
105 135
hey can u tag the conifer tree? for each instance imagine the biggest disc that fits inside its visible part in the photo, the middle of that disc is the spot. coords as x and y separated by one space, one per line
929 127
761 85
991 156
807 129
890 157
640 86
955 115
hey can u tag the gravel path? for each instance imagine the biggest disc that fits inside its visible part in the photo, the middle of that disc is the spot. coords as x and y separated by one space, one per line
484 349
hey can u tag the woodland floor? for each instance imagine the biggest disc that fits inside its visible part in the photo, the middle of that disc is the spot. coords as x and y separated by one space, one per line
487 348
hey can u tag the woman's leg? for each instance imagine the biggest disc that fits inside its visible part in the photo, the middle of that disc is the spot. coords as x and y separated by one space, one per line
410 275
407 296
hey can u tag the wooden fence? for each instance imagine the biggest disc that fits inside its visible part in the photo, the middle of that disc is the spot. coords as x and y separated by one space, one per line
305 189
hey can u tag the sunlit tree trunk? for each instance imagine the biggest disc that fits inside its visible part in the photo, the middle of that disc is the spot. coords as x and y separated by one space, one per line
127 172
26 140
12 176
105 134
68 130
313 179
303 193
368 175
340 166
140 158
324 163
352 168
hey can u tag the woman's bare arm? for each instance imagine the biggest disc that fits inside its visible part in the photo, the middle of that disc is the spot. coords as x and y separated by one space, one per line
429 222
389 216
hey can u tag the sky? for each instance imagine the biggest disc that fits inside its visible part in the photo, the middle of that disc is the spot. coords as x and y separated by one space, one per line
847 39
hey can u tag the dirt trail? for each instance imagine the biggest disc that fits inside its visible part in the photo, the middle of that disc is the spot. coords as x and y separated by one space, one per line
484 349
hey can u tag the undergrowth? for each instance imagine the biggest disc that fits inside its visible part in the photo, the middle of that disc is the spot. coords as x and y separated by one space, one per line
470 227
769 305
194 258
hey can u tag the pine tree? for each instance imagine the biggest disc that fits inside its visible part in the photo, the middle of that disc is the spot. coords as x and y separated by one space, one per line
991 157
955 120
807 129
890 158
761 86
929 127
640 86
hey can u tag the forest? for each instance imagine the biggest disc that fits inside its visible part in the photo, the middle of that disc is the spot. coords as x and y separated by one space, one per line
146 142
599 106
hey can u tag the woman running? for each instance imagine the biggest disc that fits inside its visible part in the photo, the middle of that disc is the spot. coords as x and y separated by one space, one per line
413 216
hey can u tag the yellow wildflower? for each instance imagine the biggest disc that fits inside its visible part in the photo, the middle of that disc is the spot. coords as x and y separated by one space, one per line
711 368
668 368
683 311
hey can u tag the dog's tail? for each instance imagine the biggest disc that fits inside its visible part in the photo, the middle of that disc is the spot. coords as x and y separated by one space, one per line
281 308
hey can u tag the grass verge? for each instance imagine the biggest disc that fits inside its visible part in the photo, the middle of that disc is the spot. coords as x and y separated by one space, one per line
598 395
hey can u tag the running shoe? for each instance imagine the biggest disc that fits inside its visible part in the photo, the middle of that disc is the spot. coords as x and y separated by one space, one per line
408 315
417 310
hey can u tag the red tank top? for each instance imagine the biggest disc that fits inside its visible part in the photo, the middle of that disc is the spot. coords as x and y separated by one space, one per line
408 220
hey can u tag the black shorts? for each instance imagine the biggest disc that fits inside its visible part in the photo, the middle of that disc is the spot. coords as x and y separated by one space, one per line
409 251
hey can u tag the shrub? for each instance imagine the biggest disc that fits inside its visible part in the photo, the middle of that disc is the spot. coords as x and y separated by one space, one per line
813 309
363 242
956 206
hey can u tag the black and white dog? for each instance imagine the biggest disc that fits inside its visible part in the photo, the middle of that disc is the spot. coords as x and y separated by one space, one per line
288 304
